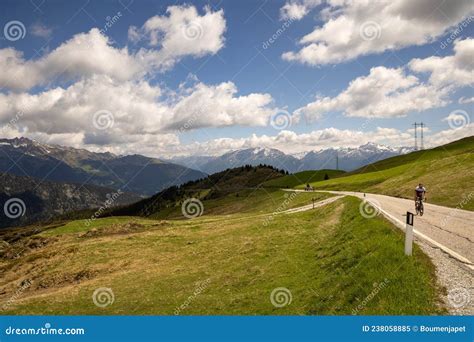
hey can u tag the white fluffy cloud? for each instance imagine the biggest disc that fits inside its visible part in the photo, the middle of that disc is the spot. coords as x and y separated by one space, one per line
384 92
84 55
291 142
136 107
456 70
357 28
184 32
92 53
98 95
393 92
218 106
297 9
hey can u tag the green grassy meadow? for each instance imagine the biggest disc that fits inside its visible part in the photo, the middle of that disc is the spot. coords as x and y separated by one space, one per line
303 177
331 260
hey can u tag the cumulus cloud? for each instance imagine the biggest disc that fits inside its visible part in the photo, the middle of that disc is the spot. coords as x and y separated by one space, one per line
356 28
84 55
184 32
297 9
383 93
92 53
218 106
456 70
394 92
136 107
292 142
97 94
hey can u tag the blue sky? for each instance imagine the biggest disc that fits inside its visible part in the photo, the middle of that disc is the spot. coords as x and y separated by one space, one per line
242 55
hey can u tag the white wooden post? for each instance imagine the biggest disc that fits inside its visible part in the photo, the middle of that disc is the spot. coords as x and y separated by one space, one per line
409 234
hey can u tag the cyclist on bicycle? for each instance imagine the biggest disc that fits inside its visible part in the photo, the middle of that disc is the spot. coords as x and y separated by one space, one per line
420 192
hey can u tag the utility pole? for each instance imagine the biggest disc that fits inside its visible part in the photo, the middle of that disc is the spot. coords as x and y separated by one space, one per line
337 160
416 138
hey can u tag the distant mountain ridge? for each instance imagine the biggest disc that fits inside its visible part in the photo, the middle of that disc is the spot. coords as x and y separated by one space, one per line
346 159
133 173
350 158
26 200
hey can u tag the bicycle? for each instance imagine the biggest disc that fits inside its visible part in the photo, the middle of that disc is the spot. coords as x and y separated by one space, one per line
419 207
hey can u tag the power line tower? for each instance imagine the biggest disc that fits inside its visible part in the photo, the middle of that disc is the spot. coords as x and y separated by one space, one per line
421 125
416 138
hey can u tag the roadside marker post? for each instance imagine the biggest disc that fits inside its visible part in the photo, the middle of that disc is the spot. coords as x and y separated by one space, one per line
409 234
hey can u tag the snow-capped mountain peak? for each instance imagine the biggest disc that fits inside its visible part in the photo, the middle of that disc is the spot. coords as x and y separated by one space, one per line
344 158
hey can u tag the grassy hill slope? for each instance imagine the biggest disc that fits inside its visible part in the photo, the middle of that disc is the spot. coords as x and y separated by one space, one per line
446 171
303 177
328 260
215 186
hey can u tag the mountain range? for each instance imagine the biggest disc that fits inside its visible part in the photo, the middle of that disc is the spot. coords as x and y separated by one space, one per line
54 180
346 159
133 173
26 200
